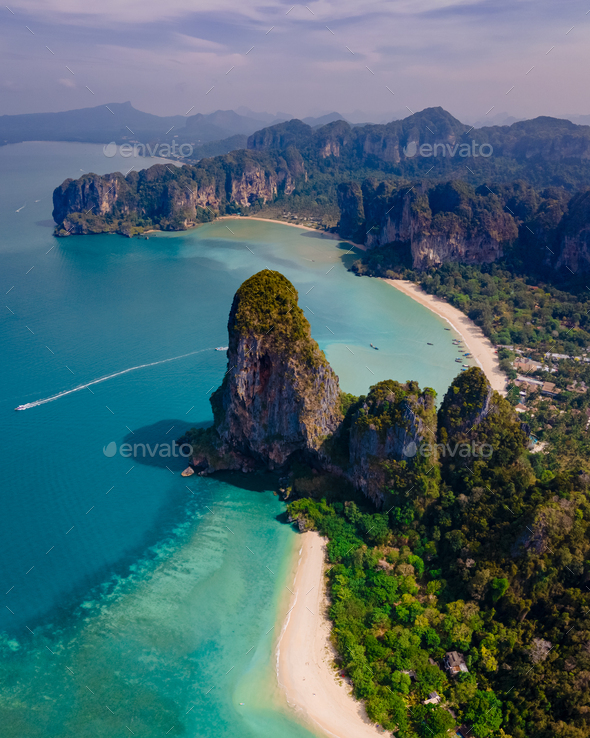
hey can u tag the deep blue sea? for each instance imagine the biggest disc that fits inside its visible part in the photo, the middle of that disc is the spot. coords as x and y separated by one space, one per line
130 602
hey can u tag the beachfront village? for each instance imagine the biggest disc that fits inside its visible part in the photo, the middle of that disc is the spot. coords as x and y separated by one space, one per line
550 392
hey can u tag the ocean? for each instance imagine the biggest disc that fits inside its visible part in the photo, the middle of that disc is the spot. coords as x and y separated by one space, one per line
137 601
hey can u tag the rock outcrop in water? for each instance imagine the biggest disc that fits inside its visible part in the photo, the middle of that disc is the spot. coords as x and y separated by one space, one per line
280 401
279 396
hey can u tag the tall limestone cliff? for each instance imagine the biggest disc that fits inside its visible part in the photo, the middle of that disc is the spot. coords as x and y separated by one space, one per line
573 234
280 402
439 222
279 396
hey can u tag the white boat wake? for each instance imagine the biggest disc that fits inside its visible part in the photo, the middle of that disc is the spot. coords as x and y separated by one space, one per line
104 379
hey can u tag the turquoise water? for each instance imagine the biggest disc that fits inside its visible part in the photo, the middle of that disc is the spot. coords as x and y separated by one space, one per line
130 599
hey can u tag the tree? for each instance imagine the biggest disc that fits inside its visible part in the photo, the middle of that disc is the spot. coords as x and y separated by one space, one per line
433 721
499 587
488 659
484 713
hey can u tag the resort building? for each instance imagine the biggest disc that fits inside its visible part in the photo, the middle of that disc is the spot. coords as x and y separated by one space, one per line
454 663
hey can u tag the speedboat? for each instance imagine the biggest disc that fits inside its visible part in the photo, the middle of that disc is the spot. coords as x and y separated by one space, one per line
429 344
21 407
222 348
374 347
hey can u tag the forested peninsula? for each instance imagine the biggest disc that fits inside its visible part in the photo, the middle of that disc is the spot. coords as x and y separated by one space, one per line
458 577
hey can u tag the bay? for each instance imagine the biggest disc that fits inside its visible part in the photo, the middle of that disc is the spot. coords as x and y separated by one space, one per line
133 599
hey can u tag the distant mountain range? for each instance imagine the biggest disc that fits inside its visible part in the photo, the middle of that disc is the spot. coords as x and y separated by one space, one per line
121 122
209 134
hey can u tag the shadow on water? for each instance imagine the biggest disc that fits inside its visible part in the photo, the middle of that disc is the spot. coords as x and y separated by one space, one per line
349 254
155 445
318 234
177 508
259 481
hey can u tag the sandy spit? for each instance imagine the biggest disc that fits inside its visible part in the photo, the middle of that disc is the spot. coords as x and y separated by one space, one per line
306 673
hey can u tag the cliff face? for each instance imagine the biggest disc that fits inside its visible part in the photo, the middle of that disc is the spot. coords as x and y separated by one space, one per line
256 184
89 193
446 222
282 136
391 143
280 395
396 144
574 235
172 198
352 212
390 425
543 138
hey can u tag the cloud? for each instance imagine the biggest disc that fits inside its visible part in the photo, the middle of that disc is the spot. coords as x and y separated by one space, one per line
108 13
166 56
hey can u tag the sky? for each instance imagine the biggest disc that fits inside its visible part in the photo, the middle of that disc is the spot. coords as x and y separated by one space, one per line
475 58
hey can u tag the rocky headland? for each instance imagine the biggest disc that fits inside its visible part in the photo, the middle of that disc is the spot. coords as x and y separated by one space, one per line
280 404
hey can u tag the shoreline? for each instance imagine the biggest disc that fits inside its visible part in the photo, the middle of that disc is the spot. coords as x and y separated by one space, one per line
325 234
473 337
304 654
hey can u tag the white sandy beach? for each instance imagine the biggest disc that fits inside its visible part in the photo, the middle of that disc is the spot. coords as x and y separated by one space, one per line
305 664
473 337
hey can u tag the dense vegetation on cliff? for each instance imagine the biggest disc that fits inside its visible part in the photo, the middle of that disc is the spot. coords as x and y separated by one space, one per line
491 563
536 320
172 198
